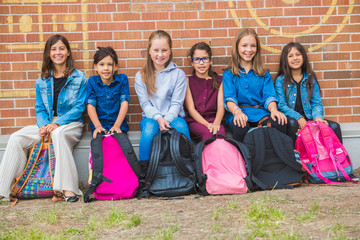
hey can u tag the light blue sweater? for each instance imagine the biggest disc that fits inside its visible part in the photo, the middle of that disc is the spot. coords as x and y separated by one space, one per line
168 100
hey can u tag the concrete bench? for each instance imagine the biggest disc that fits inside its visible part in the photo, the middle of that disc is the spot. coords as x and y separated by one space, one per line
350 133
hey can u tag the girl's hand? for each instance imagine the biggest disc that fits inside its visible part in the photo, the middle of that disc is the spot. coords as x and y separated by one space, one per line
97 130
214 128
42 131
240 118
50 127
280 117
115 129
321 120
163 124
302 122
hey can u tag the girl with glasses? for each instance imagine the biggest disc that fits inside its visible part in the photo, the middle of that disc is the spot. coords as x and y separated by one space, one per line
204 96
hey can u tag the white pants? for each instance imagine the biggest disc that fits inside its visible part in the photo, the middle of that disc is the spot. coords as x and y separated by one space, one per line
64 138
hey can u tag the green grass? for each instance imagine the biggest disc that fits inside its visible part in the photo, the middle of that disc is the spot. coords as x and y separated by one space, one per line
311 213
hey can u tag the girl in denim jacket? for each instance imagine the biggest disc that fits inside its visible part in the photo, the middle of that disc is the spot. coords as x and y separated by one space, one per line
59 106
298 90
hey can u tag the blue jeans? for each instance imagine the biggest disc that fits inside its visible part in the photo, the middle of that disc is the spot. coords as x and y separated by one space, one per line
149 128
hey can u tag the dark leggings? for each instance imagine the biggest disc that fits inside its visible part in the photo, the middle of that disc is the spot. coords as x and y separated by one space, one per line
239 132
293 127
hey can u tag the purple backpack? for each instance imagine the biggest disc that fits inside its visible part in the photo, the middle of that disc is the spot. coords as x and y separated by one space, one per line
115 172
322 155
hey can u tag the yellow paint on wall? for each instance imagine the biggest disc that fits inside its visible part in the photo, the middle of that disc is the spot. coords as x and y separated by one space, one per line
53 18
39 1
25 23
14 94
291 1
10 22
84 11
72 25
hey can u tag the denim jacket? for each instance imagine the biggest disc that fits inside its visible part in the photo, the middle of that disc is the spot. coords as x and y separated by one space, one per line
71 101
313 108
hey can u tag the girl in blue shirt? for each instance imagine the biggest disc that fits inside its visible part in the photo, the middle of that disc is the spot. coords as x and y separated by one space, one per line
249 92
107 94
298 90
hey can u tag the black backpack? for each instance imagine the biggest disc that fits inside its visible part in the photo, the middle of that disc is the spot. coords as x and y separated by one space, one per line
171 169
272 159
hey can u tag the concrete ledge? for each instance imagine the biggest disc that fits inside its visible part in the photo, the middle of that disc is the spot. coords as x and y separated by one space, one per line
350 133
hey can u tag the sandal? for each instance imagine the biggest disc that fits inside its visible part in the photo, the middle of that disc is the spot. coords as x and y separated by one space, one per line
74 198
61 197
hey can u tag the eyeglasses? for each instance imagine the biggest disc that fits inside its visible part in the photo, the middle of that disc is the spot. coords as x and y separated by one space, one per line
198 60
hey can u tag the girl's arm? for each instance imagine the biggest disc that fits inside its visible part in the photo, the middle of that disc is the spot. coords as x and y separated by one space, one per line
124 106
42 117
274 113
220 110
189 104
95 120
316 104
240 118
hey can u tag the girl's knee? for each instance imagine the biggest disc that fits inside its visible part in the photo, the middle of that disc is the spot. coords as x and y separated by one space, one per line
149 127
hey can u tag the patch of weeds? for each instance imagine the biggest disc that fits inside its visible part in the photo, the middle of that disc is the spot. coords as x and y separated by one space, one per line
267 197
215 214
312 212
290 236
114 217
217 228
20 233
134 221
333 210
166 233
168 217
232 204
50 216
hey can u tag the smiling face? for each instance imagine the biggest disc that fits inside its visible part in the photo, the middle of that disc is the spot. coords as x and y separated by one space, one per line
160 53
59 53
247 49
295 59
106 69
201 68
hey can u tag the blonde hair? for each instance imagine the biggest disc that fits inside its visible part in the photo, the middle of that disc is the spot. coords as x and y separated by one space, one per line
148 70
257 63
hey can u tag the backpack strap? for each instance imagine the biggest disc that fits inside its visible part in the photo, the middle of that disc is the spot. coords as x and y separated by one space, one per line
176 154
154 159
97 165
330 148
311 149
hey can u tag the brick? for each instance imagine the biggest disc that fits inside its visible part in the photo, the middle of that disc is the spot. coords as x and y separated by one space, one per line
349 46
307 3
224 23
309 20
349 101
4 9
338 110
23 103
253 23
129 53
138 7
134 126
5 67
135 118
183 15
349 119
128 35
212 5
221 60
55 8
198 24
309 39
281 21
348 83
273 58
12 75
355 92
337 93
122 7
112 26
6 103
349 65
14 113
295 11
106 7
155 16
141 25
159 7
241 14
135 109
103 17
136 44
34 57
275 3
325 65
134 63
12 38
6 122
25 121
170 24
212 14
181 52
337 75
329 101
126 16
24 66
336 56
279 40
191 6
24 84
185 34
328 84
100 36
355 55
270 12
356 110
344 10
22 10
15 57
8 131
351 28
213 33
339 38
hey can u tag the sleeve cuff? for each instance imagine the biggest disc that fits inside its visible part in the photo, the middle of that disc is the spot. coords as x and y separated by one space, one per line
91 101
229 99
268 101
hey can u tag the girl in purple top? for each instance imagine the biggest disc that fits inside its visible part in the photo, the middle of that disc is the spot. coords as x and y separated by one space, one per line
204 96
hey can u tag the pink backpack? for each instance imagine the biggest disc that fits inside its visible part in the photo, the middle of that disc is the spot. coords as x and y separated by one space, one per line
222 165
322 155
114 168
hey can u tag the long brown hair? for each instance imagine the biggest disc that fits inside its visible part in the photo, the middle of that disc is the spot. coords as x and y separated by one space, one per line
148 70
48 65
257 63
284 69
204 46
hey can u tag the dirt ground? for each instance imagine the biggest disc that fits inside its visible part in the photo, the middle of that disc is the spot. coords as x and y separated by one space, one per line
306 212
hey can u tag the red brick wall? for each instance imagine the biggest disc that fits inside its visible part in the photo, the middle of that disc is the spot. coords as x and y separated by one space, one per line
329 29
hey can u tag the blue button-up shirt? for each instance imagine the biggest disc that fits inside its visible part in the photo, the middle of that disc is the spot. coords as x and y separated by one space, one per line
248 89
313 107
107 99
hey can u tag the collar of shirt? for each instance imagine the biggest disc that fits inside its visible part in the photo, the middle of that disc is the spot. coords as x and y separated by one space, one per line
99 82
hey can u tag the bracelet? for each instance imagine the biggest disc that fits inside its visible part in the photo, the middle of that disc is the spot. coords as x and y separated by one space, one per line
236 108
